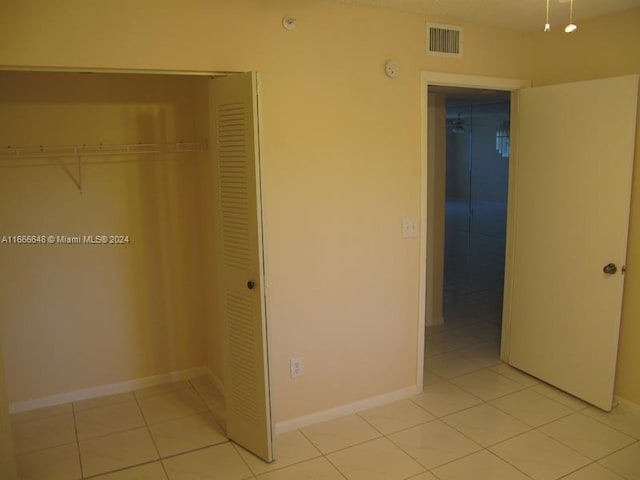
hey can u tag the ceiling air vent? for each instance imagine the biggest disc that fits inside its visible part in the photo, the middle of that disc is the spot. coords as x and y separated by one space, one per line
444 40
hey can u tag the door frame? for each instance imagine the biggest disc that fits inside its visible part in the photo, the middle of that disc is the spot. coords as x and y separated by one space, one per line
467 81
260 197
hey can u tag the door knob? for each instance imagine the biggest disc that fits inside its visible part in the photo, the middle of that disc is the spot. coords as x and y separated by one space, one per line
610 269
251 284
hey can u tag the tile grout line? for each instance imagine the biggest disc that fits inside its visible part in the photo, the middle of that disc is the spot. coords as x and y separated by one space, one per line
102 435
75 428
324 455
485 402
429 469
118 470
153 440
209 410
236 449
636 438
503 460
335 466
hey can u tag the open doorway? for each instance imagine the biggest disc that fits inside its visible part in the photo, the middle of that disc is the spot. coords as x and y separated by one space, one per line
477 178
469 169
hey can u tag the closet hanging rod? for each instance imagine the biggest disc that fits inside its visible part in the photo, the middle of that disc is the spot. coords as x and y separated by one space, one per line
100 150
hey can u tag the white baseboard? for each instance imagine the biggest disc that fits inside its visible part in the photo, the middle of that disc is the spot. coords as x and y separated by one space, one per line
136 384
110 389
323 416
627 405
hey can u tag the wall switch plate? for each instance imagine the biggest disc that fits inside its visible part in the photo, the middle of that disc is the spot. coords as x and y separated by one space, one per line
409 227
297 367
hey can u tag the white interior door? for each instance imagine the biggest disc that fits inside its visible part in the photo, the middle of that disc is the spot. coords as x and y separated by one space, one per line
571 195
234 146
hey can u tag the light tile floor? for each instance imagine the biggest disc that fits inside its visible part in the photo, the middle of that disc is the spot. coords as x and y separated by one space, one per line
476 419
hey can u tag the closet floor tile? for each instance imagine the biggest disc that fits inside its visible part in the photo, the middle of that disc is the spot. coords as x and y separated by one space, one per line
45 432
161 389
58 463
185 434
103 401
201 381
149 471
41 413
114 418
212 463
168 406
117 451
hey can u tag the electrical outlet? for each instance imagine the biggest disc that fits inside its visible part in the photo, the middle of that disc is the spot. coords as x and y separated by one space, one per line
297 367
409 227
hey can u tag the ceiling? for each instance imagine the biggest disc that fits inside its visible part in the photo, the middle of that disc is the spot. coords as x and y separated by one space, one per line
527 15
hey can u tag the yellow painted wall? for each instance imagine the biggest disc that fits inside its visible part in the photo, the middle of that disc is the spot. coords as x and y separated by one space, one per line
79 316
605 47
341 157
7 455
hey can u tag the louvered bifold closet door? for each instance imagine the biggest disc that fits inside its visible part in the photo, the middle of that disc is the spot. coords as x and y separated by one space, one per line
234 147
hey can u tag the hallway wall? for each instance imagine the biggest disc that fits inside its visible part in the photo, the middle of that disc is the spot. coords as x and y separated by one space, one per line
490 171
477 181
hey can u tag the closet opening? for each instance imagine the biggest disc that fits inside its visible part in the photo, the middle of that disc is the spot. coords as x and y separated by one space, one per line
469 168
122 196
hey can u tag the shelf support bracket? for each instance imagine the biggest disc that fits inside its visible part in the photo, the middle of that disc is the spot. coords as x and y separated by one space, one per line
79 172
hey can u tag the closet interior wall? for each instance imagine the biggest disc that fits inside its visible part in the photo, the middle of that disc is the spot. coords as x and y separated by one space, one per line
82 316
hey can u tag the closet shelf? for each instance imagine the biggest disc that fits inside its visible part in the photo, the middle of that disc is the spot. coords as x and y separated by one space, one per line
76 152
78 156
